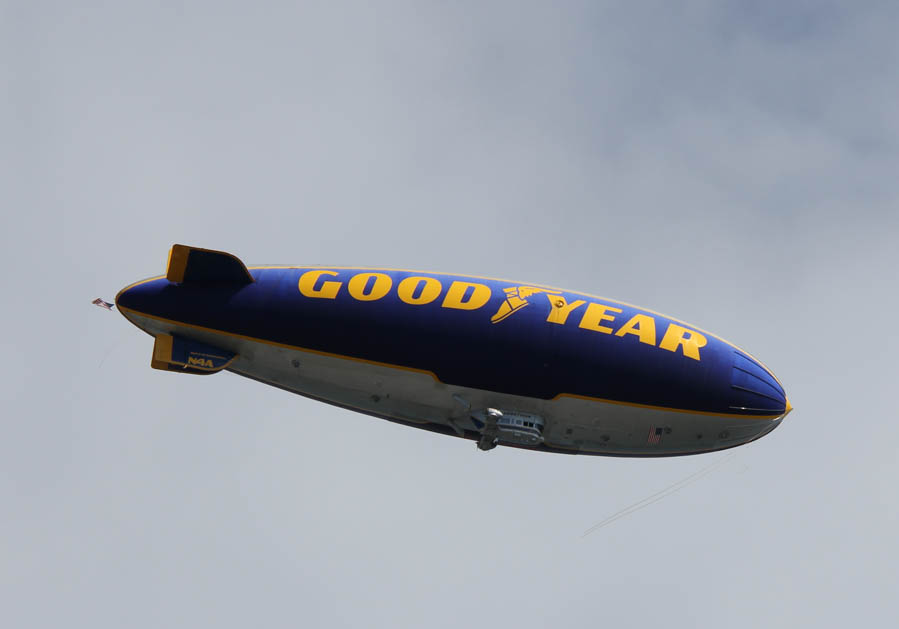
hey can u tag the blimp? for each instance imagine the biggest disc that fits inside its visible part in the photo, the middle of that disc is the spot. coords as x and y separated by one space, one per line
497 362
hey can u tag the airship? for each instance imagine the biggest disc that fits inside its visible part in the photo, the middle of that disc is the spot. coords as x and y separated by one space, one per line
493 361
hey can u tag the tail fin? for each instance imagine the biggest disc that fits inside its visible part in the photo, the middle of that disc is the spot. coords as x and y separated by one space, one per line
192 264
182 355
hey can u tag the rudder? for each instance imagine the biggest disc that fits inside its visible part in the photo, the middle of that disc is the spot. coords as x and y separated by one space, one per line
192 265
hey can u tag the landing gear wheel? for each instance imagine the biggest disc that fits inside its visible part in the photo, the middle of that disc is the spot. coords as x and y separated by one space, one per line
487 443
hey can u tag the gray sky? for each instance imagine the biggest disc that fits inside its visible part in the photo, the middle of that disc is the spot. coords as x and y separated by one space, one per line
731 164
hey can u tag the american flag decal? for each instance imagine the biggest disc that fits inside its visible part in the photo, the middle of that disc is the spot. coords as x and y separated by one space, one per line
655 435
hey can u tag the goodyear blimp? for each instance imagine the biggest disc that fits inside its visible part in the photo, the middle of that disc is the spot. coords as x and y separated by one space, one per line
494 361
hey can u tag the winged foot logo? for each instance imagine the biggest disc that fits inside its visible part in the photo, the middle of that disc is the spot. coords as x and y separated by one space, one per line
516 299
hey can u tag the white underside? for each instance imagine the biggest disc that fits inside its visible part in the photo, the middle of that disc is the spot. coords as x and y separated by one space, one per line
579 425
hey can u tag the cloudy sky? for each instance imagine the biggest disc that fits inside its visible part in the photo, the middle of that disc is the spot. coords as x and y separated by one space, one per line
733 164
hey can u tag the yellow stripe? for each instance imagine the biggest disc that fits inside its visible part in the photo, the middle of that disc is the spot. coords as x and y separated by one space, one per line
494 279
130 286
276 344
427 372
664 408
552 288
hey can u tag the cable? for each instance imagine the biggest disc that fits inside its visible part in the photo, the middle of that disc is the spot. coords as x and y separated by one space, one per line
692 478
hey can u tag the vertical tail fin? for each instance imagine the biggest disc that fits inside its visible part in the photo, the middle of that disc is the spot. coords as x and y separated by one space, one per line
192 264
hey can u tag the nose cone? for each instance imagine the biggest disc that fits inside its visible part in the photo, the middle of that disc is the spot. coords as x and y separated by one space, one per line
755 390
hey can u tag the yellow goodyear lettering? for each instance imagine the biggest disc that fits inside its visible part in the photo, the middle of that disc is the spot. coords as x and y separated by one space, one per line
559 308
369 286
458 291
429 291
461 295
309 284
688 340
642 326
595 314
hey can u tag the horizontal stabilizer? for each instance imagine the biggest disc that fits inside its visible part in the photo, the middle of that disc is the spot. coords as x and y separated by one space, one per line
191 264
176 353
